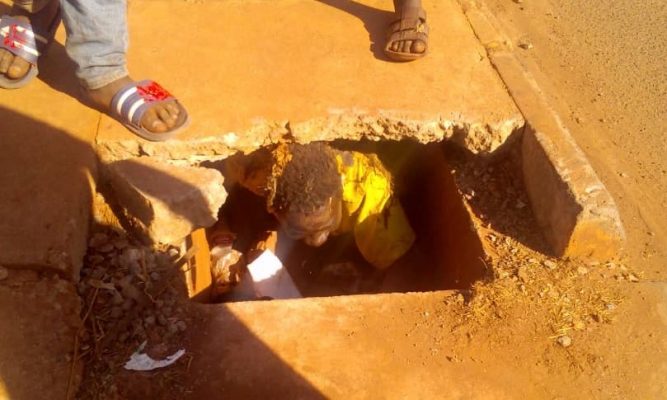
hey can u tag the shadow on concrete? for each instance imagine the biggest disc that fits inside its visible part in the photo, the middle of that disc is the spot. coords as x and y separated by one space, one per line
45 175
228 362
375 21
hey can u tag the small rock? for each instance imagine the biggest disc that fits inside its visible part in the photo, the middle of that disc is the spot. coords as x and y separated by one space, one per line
155 276
593 263
120 243
523 274
132 255
97 240
172 328
162 320
525 43
150 320
95 259
106 248
610 307
181 325
550 264
518 1
565 341
633 278
520 204
4 273
582 270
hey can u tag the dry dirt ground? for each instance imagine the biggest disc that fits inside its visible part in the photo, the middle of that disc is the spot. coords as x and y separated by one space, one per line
544 328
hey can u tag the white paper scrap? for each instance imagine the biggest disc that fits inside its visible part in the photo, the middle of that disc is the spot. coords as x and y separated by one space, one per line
271 279
143 362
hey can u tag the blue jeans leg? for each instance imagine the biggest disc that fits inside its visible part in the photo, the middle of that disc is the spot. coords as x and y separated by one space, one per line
97 39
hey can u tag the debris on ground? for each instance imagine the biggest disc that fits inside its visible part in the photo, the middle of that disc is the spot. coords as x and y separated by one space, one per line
132 294
143 362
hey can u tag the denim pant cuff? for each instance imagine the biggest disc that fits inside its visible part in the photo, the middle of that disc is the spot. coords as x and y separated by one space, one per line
31 6
104 79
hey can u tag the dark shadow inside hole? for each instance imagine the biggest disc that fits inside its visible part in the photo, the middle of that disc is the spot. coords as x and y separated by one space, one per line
446 255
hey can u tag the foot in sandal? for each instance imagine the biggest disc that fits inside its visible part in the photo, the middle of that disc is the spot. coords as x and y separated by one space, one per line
407 36
144 107
24 37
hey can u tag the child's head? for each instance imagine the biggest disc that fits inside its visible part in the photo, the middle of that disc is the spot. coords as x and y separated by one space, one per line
306 191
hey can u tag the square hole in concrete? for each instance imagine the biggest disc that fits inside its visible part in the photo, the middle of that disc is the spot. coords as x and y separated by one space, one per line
447 253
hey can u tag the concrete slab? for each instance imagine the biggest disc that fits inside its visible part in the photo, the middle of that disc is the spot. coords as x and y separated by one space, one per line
252 72
166 202
40 319
46 169
317 348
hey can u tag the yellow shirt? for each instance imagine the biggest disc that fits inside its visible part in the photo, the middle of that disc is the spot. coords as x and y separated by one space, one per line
381 230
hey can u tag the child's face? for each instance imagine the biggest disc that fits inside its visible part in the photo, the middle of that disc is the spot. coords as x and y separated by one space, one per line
313 228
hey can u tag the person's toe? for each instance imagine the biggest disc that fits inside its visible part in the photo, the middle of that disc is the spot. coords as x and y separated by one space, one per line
5 61
407 44
152 121
418 47
18 68
173 109
166 117
394 45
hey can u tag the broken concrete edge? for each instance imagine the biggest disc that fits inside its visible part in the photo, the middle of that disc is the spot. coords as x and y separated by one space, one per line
164 202
481 138
247 307
576 212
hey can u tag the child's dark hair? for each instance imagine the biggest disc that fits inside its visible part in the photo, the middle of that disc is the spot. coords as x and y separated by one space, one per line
307 180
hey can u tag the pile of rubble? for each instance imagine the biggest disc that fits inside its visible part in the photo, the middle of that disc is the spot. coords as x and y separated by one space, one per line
132 294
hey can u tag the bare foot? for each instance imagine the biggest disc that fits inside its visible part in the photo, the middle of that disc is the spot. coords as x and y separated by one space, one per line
160 118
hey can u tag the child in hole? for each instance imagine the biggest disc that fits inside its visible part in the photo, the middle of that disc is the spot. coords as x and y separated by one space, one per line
315 191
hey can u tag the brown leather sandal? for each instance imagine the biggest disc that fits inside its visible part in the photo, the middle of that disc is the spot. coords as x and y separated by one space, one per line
411 27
